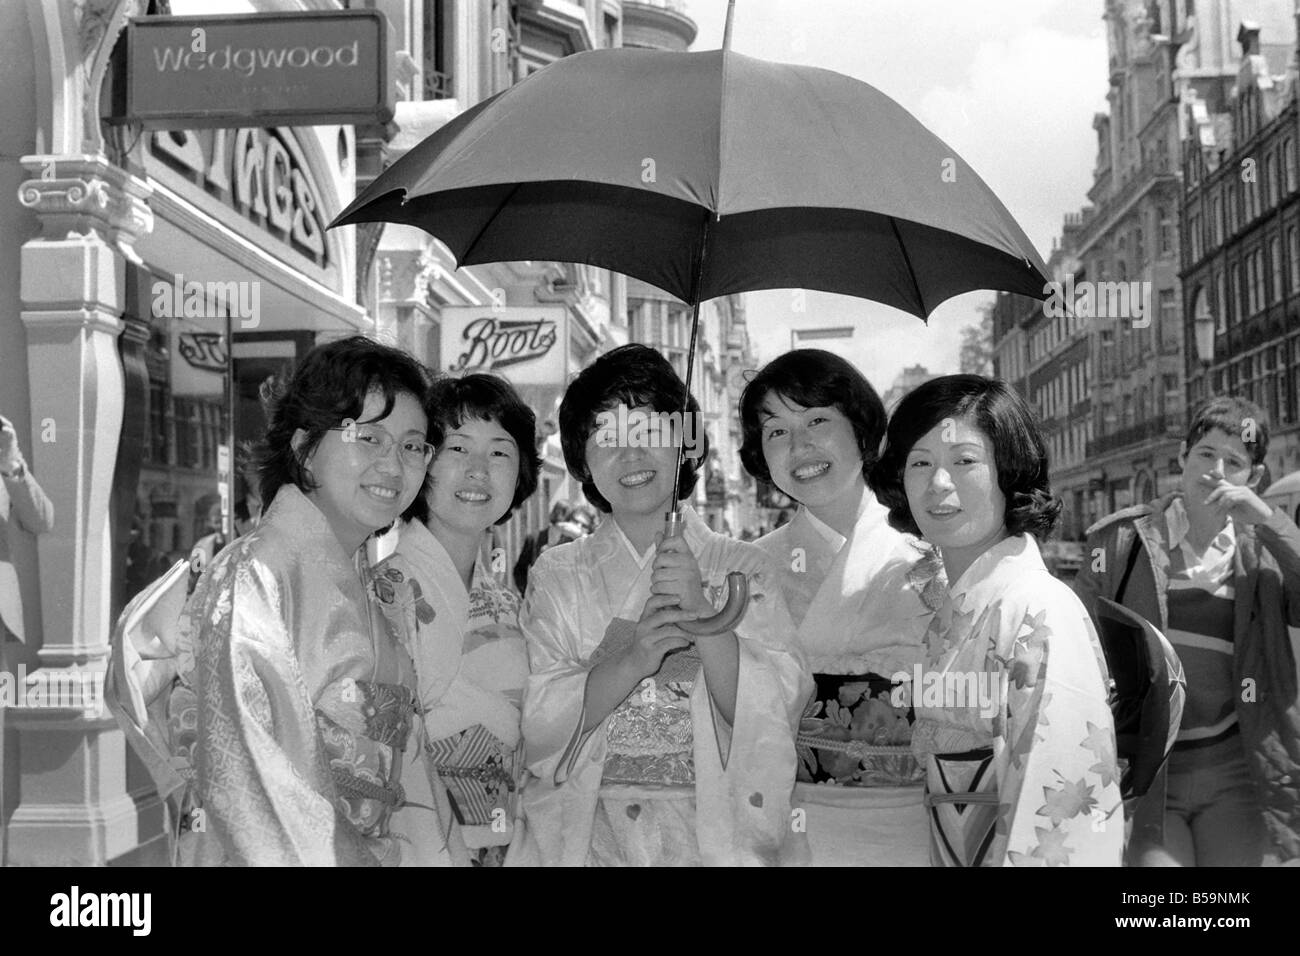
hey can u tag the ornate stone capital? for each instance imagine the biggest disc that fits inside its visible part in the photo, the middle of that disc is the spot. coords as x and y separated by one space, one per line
77 195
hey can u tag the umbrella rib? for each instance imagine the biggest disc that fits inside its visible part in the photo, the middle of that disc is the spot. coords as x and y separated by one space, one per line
514 188
907 261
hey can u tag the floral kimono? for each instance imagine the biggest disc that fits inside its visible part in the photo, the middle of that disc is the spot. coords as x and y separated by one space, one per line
663 780
860 606
307 745
472 667
1013 722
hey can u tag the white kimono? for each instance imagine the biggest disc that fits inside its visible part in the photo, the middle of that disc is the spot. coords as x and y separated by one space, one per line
859 605
739 804
471 666
1013 721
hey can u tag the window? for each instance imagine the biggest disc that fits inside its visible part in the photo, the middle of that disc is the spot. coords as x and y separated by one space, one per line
1234 309
1275 254
1288 166
1216 226
1168 332
1252 302
1221 303
1270 170
1293 257
1261 285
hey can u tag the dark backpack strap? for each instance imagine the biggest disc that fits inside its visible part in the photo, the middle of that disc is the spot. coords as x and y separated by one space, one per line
1128 569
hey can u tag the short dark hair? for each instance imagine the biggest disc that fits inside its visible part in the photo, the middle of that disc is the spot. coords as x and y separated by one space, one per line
1019 452
812 378
330 384
451 402
633 375
1231 413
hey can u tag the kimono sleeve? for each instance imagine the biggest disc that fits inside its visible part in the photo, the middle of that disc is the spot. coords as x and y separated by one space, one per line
264 785
555 697
1058 786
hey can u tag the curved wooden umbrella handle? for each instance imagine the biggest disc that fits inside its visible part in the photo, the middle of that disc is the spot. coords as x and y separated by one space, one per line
737 593
731 613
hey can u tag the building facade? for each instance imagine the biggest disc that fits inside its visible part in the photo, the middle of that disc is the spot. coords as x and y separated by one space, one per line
1241 243
140 268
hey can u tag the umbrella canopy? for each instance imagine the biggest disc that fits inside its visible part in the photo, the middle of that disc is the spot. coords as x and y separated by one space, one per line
707 174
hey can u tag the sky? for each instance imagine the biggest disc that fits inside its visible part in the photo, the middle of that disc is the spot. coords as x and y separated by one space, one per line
1011 85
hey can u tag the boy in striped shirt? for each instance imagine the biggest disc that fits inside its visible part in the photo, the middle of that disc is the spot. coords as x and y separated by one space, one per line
1218 571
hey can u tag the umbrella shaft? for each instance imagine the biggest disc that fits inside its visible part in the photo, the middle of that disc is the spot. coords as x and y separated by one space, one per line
690 357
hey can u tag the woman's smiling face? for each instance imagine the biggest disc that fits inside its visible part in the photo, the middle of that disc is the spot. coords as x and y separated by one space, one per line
951 480
360 488
474 475
812 454
634 474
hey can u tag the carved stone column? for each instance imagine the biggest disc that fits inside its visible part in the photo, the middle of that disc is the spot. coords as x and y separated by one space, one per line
74 805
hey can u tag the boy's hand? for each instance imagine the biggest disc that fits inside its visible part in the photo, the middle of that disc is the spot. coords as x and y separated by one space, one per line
1236 501
657 634
677 573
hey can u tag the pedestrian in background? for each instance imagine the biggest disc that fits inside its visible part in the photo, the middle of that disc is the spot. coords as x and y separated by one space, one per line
23 509
561 529
1218 571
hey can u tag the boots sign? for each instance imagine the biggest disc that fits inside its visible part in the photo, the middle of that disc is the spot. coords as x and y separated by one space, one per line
525 345
259 69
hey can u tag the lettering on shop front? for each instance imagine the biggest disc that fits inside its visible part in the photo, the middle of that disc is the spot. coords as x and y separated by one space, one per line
497 343
256 173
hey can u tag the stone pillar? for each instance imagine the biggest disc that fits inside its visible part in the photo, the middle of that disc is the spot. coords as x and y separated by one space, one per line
75 806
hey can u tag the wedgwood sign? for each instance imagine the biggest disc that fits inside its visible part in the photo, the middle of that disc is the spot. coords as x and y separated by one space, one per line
261 69
525 345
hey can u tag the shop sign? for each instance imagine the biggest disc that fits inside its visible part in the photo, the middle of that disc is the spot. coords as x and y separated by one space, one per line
525 345
312 68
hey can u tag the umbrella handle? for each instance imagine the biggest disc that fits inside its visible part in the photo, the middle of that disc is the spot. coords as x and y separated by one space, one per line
737 602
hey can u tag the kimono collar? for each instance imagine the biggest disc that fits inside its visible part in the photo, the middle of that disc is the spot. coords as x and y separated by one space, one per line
298 516
419 540
1016 553
693 529
872 515
829 534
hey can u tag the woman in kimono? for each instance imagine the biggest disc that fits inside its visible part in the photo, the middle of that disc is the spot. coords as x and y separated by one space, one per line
459 610
856 589
1011 706
648 746
307 744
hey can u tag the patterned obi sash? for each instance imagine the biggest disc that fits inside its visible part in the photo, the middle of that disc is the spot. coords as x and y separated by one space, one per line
367 766
479 771
650 737
852 735
961 800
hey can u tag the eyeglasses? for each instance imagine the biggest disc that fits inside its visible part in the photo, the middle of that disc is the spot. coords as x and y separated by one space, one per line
376 443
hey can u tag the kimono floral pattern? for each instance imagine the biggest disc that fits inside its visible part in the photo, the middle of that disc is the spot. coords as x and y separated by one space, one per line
1019 674
856 708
